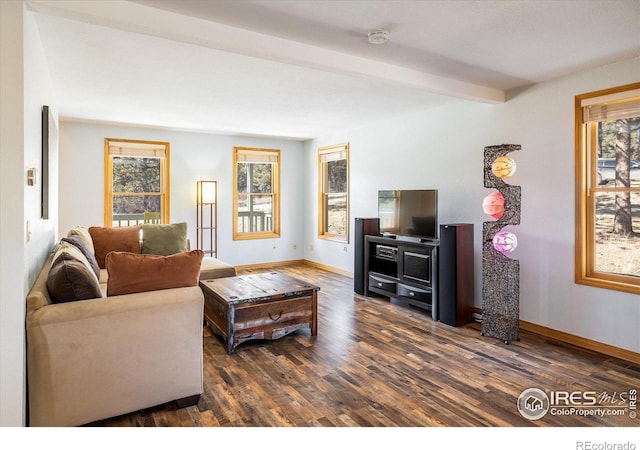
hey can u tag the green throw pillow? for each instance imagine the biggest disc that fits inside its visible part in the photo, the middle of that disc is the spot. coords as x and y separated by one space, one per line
164 240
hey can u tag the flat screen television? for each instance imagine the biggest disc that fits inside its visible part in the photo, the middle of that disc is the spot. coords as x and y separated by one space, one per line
409 213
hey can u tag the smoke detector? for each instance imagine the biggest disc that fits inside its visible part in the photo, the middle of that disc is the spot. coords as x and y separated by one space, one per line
378 37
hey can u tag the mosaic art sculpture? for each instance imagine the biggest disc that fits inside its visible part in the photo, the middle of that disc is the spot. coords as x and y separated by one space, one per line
500 274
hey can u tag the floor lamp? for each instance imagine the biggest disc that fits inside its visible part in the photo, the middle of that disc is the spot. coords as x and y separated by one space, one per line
500 274
207 217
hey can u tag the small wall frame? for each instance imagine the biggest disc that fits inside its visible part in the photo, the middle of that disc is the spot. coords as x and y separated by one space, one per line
49 144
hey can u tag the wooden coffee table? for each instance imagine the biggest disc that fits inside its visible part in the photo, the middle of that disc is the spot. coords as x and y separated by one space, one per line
259 306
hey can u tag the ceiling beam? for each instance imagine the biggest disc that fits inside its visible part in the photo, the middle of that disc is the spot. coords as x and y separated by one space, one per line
138 18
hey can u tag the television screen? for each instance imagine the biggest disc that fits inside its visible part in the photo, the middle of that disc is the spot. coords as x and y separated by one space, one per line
409 213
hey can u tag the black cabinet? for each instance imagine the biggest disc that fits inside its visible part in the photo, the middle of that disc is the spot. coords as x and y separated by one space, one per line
434 275
403 270
456 274
363 227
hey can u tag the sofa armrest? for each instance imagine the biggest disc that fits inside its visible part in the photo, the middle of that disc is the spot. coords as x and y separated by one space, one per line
214 268
99 358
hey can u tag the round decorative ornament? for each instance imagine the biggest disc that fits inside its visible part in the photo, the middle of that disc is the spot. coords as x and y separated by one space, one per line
493 205
505 241
503 167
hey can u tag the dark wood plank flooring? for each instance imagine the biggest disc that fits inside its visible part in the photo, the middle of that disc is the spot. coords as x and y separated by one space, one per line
378 364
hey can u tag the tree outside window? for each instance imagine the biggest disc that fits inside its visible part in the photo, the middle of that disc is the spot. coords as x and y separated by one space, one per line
608 187
333 176
256 196
136 182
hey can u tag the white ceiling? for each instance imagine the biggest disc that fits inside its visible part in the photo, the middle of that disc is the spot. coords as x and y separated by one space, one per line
301 69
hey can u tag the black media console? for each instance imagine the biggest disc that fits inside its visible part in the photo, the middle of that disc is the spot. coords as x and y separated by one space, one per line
436 275
403 270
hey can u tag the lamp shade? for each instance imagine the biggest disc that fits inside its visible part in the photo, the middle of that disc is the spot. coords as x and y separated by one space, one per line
503 167
206 192
207 217
493 205
505 241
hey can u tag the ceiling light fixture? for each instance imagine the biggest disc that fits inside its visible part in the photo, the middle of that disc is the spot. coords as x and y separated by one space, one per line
378 37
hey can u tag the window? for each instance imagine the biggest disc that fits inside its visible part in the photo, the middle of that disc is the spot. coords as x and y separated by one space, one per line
608 188
333 207
256 199
136 182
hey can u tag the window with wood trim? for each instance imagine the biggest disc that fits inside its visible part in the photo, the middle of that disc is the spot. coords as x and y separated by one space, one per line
608 188
136 186
256 196
333 192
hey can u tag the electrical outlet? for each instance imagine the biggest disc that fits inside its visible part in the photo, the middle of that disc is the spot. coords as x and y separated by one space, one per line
295 246
344 249
311 247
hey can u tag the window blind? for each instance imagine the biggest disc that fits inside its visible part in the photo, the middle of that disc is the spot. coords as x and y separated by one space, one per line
622 105
332 154
258 156
137 149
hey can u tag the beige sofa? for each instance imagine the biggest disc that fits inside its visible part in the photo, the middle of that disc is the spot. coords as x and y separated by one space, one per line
97 358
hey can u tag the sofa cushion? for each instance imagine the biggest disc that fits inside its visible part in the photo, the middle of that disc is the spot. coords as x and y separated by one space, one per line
71 279
164 239
83 233
214 268
130 273
81 245
114 239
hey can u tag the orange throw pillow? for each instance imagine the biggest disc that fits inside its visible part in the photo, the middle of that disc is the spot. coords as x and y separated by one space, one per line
116 239
130 273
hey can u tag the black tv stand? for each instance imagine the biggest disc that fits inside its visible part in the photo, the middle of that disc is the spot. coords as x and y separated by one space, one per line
417 239
405 270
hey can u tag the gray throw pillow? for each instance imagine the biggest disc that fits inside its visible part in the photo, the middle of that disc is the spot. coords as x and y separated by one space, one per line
81 245
164 239
70 279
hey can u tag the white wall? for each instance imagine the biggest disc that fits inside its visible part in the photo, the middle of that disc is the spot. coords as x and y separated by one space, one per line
11 213
194 156
26 86
443 149
38 92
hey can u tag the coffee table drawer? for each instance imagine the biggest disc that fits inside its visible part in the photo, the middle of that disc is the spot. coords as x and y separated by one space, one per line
274 313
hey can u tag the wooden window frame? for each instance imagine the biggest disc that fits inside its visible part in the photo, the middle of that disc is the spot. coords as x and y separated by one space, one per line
586 179
322 187
275 186
164 175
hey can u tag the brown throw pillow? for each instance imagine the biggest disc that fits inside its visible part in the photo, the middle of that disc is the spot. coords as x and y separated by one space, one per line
70 280
116 239
130 273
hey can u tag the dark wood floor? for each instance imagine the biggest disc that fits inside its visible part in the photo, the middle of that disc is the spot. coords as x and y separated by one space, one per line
378 364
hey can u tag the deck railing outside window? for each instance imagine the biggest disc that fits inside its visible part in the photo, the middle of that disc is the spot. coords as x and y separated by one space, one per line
254 221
